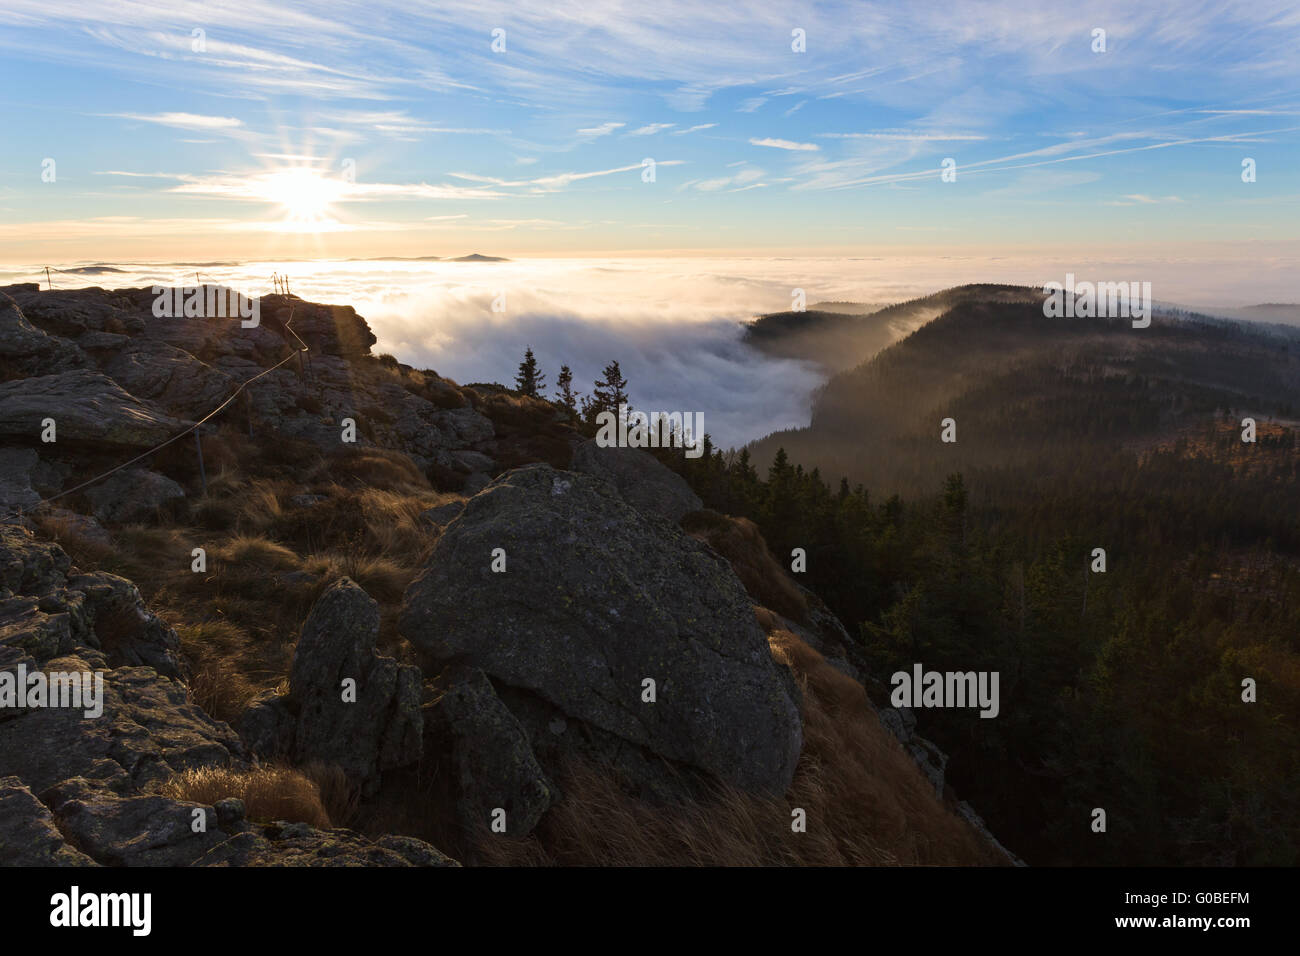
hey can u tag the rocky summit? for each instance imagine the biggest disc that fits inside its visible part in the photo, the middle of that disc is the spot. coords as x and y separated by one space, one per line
368 616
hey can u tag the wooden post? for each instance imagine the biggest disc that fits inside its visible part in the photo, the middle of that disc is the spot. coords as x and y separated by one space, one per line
48 281
203 475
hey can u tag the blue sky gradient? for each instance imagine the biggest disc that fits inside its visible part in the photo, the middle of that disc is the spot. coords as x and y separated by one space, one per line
366 129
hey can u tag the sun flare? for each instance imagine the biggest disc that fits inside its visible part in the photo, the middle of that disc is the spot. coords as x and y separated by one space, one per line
306 196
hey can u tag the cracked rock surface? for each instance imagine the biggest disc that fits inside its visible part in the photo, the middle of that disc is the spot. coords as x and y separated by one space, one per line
597 598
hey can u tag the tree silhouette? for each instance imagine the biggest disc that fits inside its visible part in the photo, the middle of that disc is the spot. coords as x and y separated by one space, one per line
564 389
607 394
529 380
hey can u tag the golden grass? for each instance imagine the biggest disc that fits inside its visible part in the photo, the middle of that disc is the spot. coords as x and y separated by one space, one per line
68 535
867 803
393 518
225 482
259 505
742 544
269 793
229 666
374 467
340 797
254 552
382 578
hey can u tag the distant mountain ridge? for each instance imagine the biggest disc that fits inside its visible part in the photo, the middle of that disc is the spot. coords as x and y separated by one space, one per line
991 342
840 335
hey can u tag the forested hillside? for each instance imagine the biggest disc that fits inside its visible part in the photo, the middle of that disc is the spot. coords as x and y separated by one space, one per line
1121 689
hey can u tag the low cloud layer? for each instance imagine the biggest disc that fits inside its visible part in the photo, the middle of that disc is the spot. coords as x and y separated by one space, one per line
674 325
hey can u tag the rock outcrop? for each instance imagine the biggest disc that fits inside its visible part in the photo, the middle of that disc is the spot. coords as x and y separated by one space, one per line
28 834
639 478
112 374
493 761
562 617
596 600
16 491
133 494
86 407
76 781
347 705
29 349
152 830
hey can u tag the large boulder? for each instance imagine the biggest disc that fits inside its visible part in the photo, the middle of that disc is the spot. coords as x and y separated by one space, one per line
74 312
494 765
639 478
86 406
371 725
597 599
134 830
134 494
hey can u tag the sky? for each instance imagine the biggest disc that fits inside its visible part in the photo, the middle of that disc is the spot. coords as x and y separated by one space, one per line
165 129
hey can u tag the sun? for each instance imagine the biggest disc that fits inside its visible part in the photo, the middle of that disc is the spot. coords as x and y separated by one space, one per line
306 197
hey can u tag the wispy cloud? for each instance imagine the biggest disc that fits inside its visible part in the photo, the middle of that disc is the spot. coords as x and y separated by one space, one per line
738 181
908 136
650 129
268 187
190 121
561 180
1142 199
785 144
416 96
604 129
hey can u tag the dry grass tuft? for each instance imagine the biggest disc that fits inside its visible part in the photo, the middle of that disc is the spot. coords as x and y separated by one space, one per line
866 803
742 544
382 578
227 663
340 797
269 793
254 552
374 467
259 505
69 534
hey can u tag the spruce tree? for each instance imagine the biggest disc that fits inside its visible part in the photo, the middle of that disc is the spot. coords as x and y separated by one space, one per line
608 393
564 389
529 380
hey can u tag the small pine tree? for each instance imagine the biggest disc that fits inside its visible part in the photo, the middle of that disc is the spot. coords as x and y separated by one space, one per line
608 393
780 472
564 389
529 380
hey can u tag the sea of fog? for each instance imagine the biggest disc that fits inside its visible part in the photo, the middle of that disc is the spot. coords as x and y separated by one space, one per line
674 325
